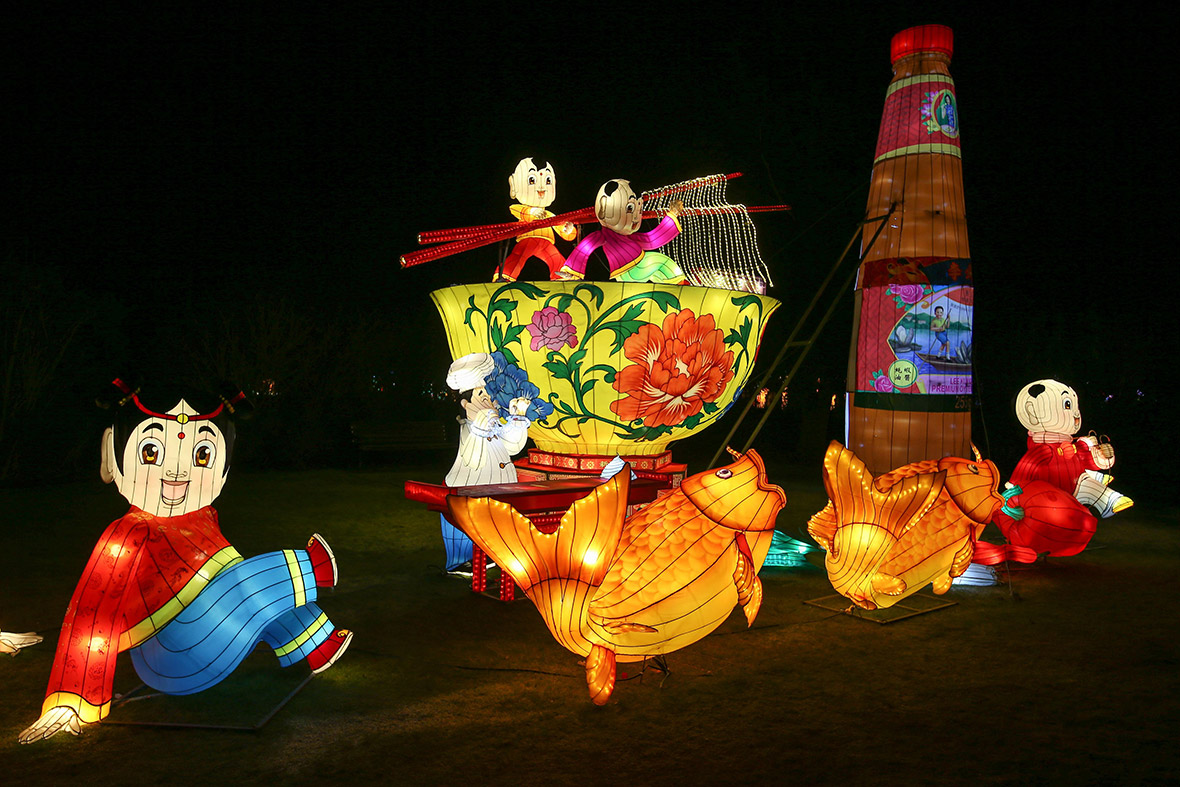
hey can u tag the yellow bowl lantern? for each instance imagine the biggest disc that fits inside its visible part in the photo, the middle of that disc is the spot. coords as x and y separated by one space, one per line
628 367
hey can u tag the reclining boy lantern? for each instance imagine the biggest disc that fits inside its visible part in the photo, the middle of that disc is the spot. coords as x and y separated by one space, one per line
613 590
164 583
1058 477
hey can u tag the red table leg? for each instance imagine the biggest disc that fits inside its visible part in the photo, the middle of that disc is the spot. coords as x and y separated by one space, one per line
479 570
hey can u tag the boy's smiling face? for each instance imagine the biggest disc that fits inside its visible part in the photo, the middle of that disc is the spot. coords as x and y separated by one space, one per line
620 211
1054 408
170 466
533 186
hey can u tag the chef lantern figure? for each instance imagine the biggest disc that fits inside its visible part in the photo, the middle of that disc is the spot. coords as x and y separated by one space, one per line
534 188
629 253
164 583
487 442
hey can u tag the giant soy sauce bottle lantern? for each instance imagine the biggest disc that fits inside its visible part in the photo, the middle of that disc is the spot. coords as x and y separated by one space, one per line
910 371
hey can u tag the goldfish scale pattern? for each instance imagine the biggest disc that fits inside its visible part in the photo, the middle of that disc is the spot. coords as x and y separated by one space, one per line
891 536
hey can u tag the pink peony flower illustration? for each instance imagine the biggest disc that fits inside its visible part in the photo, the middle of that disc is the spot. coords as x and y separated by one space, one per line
908 293
881 382
552 329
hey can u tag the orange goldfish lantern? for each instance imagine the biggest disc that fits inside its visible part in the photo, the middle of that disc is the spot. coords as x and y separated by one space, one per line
613 590
889 537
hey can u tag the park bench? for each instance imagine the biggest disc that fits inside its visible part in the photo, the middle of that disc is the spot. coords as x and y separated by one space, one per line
399 437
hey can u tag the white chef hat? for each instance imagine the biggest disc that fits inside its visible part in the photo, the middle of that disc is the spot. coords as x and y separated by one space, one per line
470 371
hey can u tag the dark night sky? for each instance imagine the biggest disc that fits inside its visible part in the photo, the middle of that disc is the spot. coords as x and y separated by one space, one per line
184 163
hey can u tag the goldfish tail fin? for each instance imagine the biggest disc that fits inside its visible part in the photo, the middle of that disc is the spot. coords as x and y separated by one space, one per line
856 498
580 548
560 571
600 674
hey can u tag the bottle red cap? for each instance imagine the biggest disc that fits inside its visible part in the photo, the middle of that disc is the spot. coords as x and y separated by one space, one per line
924 38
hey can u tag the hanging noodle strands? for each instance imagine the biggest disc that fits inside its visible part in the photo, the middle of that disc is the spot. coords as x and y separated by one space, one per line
717 245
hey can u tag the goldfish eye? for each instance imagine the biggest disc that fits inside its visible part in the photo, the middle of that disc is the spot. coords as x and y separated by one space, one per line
724 472
974 469
151 452
203 453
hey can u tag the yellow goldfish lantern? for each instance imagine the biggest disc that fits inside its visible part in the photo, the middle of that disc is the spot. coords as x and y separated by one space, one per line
889 537
613 589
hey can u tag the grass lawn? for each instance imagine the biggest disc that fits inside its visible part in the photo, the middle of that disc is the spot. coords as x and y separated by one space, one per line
1070 674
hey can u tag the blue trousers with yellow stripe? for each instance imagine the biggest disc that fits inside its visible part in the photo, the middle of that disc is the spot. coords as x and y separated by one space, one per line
269 598
458 546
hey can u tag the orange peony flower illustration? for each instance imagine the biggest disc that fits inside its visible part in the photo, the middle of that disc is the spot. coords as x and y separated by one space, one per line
675 370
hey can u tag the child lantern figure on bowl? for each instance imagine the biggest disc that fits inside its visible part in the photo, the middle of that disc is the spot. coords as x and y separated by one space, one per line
631 254
534 188
164 583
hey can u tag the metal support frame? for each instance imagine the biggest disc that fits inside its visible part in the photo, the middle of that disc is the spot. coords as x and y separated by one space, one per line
909 607
135 696
807 344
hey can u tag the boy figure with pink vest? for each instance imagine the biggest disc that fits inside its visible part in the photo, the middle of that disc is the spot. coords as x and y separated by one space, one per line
630 254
